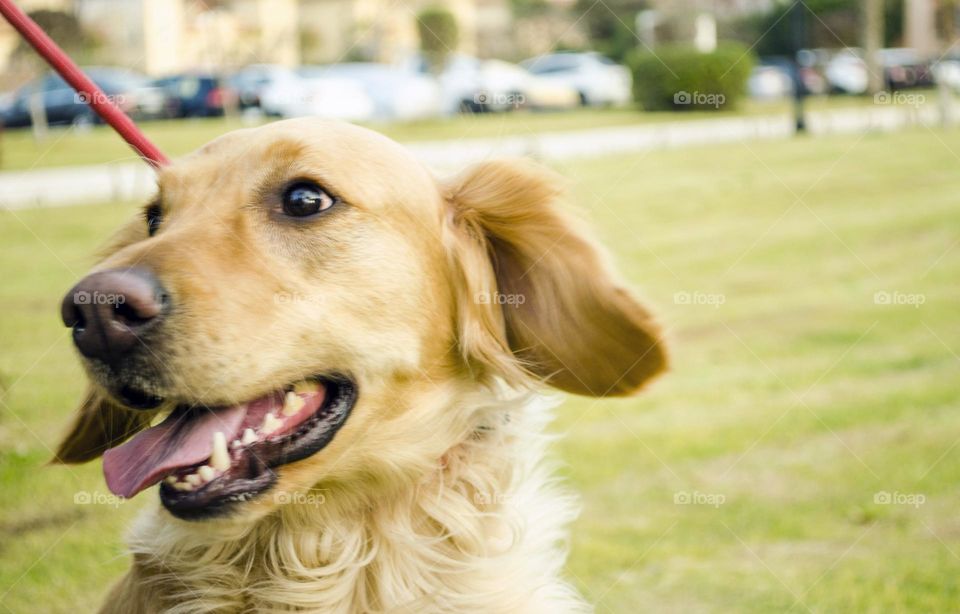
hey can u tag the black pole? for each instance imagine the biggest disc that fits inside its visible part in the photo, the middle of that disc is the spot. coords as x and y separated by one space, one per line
798 29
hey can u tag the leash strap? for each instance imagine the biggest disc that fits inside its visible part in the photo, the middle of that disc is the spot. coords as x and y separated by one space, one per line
89 91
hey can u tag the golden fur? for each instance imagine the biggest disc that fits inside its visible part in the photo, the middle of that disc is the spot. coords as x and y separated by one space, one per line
434 496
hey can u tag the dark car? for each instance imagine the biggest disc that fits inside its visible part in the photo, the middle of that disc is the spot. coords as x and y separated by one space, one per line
130 91
251 81
196 95
904 68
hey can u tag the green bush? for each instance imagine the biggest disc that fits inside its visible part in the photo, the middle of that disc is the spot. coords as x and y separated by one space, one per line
439 35
681 78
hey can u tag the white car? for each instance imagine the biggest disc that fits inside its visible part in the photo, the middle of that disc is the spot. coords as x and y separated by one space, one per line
470 84
847 72
309 92
532 91
947 71
598 80
397 94
769 82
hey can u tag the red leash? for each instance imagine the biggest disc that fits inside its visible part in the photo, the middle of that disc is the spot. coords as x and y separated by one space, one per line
91 93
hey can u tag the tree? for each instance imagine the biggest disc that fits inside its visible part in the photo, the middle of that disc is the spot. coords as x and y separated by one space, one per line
610 25
832 24
439 35
62 28
872 15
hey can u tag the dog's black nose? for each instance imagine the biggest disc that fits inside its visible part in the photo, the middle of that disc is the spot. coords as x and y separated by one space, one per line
109 310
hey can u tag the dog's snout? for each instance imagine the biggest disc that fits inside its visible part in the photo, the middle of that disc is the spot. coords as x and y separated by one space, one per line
109 310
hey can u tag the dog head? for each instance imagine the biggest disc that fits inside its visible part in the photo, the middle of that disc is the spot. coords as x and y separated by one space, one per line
302 303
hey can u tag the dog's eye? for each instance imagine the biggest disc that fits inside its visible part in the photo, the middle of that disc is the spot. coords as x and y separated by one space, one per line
154 217
306 199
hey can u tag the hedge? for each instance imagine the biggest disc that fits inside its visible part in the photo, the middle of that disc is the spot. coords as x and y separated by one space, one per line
681 78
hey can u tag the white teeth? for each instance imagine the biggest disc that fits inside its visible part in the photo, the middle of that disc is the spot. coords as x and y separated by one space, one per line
248 437
170 479
235 444
306 387
193 479
292 403
183 486
220 458
206 473
270 424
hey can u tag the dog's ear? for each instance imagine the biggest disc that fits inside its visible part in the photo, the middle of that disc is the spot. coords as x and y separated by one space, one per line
99 424
536 293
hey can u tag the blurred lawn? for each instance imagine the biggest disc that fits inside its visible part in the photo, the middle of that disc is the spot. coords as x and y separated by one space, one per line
68 146
795 397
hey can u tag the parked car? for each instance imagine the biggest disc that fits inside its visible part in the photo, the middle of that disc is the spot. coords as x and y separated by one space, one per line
846 72
771 80
309 92
904 68
498 78
131 91
598 80
471 85
947 71
196 95
396 93
250 82
812 64
7 100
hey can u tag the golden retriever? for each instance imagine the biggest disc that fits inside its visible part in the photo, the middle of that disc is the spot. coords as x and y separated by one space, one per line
328 359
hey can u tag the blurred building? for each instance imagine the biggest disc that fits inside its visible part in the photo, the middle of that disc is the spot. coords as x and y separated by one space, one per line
381 30
685 20
8 36
920 26
164 36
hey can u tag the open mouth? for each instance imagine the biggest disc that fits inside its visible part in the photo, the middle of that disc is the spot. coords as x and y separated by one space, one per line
209 458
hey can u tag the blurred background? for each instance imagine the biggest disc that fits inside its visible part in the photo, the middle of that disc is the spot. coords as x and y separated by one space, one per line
388 62
779 178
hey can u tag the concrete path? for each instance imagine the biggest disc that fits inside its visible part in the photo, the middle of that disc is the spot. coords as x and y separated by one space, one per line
90 184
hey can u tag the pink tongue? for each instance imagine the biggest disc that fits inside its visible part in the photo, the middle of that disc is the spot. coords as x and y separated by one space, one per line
178 441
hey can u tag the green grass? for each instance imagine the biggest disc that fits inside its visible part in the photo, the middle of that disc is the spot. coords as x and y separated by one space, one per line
796 399
68 146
